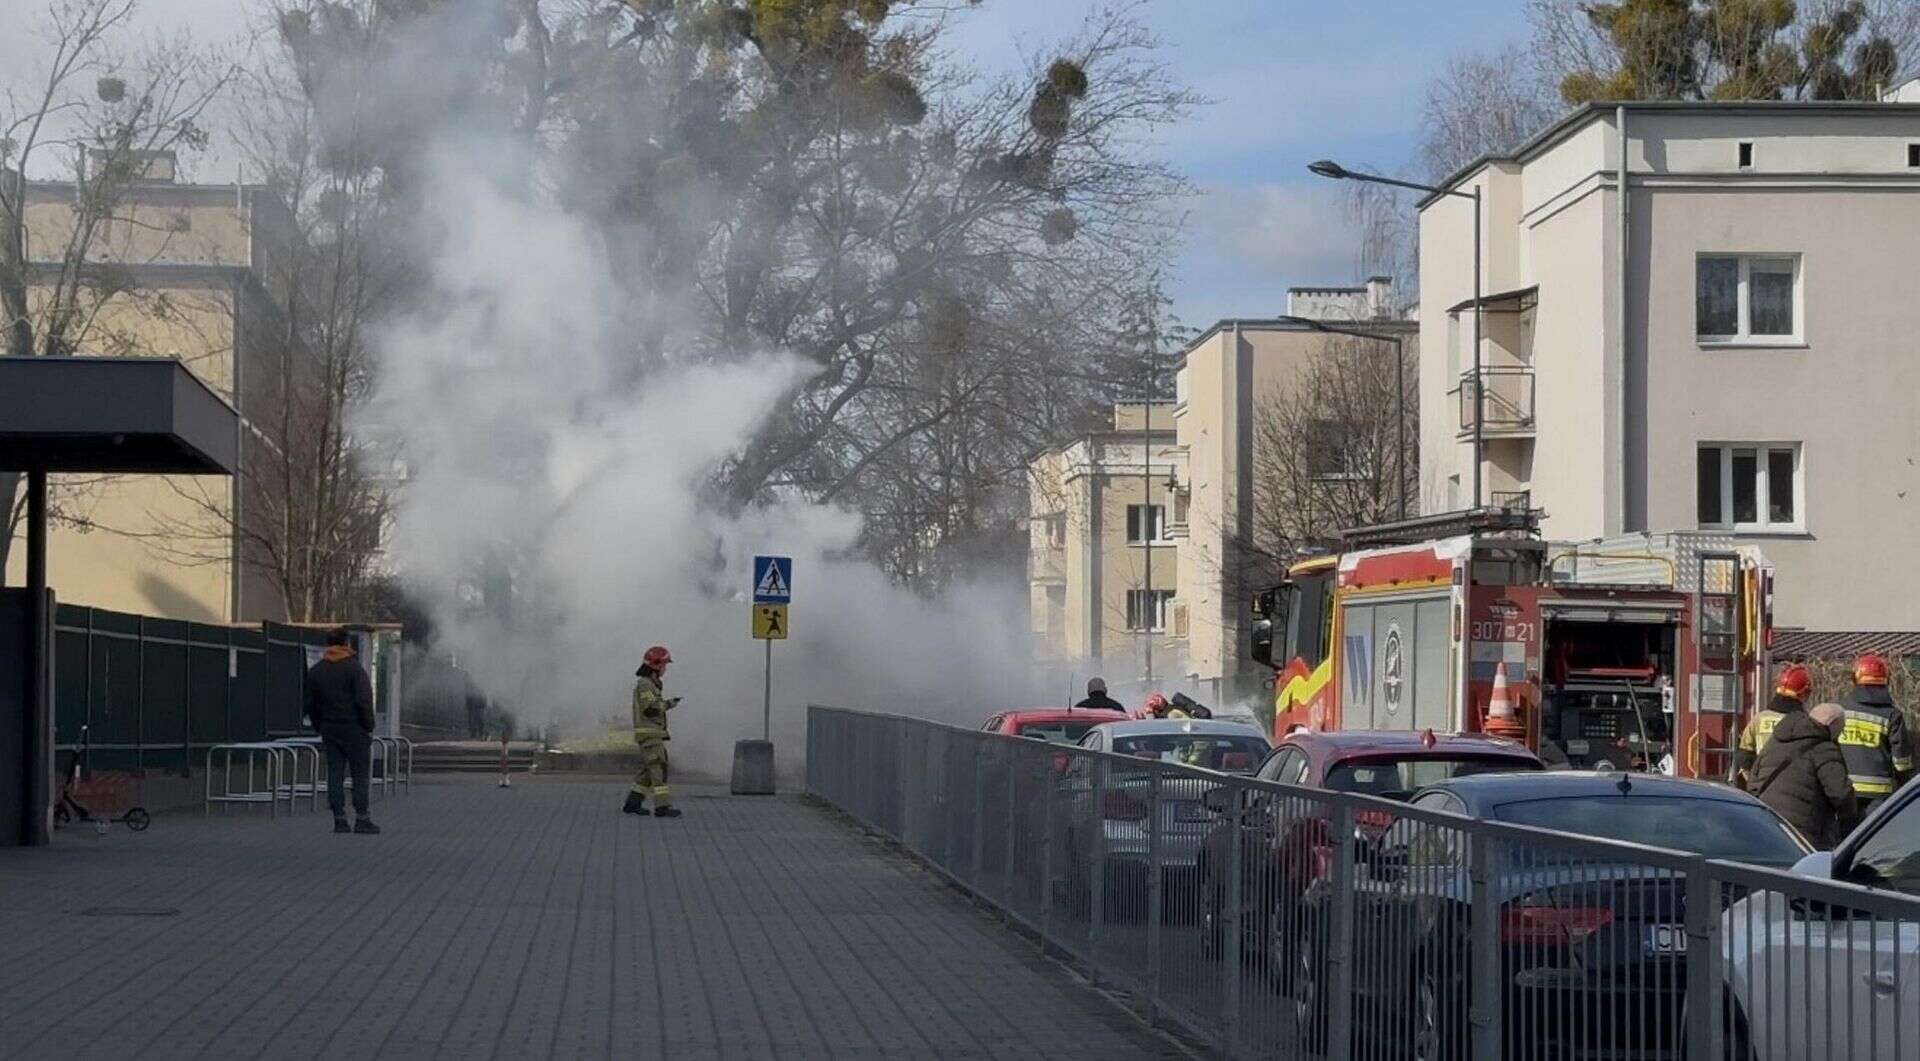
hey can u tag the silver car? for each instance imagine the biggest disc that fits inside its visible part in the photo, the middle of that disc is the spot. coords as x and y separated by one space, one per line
1111 803
1816 981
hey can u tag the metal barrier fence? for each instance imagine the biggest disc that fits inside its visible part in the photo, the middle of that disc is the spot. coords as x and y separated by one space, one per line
144 694
1280 921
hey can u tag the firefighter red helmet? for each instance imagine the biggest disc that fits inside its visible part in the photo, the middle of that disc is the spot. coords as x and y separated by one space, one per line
1795 681
1157 705
1870 669
657 657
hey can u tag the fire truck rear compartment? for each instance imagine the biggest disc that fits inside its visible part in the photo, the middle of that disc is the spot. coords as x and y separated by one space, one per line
1605 692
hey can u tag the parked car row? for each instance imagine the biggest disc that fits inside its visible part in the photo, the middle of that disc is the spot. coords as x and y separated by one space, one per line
1593 948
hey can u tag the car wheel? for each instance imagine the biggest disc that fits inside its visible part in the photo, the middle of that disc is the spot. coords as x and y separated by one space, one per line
1213 942
1736 1039
1300 970
1079 898
1437 1028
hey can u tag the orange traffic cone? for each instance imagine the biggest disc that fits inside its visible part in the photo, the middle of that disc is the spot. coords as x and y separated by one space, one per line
1502 721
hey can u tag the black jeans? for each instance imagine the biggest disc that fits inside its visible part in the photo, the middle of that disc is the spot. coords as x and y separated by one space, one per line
348 747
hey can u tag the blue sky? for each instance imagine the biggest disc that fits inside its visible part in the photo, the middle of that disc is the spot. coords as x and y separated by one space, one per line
1291 81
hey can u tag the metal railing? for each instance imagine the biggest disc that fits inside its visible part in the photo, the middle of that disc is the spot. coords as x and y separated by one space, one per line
1511 500
1508 402
1274 920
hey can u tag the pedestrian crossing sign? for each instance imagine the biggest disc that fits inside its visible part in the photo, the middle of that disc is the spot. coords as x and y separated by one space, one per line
770 622
772 579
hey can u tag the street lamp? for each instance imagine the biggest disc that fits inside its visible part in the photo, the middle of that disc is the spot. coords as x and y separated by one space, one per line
1335 171
1399 384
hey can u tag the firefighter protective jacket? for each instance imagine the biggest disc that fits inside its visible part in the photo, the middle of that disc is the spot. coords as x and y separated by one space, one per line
1878 748
650 709
1753 739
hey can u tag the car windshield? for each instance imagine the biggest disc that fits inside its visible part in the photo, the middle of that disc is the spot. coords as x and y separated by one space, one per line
1890 856
1715 828
1224 752
1057 732
1397 777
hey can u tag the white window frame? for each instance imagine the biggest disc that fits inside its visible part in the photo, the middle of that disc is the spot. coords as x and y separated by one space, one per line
1161 525
1798 525
1163 598
1743 306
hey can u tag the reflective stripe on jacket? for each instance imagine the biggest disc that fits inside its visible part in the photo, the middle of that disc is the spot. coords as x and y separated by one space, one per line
649 709
1753 739
1878 750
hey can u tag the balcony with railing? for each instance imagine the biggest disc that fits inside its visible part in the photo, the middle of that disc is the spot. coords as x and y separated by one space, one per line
1507 406
1511 500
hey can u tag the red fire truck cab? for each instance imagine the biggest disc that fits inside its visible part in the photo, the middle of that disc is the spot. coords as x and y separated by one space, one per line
1645 651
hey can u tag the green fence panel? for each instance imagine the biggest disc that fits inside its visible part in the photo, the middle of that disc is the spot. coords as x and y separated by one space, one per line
211 662
164 731
70 686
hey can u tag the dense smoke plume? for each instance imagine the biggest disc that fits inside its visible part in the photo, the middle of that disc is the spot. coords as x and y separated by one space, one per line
529 447
669 277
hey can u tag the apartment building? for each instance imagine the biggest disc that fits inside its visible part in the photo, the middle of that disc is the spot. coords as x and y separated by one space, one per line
1107 512
189 271
1694 315
1227 376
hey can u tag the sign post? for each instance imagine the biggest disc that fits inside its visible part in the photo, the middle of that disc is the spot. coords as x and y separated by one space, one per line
772 593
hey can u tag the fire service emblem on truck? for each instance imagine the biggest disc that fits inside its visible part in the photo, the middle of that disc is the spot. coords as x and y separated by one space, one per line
1390 668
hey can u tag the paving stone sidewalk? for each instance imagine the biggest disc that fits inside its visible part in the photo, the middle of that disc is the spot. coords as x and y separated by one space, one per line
534 921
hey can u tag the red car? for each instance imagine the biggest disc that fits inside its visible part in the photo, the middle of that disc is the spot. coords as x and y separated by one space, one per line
1285 844
1059 725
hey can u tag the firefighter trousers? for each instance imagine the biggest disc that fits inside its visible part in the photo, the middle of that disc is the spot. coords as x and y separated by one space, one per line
651 779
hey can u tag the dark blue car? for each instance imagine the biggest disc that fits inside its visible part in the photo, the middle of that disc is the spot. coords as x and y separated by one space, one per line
1592 943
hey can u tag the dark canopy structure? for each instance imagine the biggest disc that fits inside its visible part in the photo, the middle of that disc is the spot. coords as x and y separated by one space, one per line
112 414
91 415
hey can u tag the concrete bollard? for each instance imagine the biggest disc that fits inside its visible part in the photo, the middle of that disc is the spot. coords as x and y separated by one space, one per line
753 768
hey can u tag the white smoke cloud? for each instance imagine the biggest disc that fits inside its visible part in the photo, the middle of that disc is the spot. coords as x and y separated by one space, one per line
512 403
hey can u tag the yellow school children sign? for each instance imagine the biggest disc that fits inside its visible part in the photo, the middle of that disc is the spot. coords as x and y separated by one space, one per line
770 622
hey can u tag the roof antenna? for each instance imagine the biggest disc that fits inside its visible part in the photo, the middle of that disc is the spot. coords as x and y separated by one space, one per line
1625 786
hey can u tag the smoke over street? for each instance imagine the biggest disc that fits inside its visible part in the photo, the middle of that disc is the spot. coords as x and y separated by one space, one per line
528 446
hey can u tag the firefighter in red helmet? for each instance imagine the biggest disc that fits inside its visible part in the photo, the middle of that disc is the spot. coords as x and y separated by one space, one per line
1878 748
650 707
1790 692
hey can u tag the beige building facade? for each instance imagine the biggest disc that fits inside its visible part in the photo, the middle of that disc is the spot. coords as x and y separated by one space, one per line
1724 347
194 272
1226 378
1176 481
1102 568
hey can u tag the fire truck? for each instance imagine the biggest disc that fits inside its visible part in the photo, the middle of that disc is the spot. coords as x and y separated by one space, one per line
1647 651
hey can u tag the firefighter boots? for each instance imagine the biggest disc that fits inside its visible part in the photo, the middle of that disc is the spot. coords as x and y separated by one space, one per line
666 812
635 804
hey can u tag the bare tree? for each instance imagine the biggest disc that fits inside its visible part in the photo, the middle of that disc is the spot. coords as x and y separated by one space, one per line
1481 103
1324 455
63 271
315 497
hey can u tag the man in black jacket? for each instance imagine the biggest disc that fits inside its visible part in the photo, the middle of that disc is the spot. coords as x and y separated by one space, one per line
339 704
1097 698
1802 775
